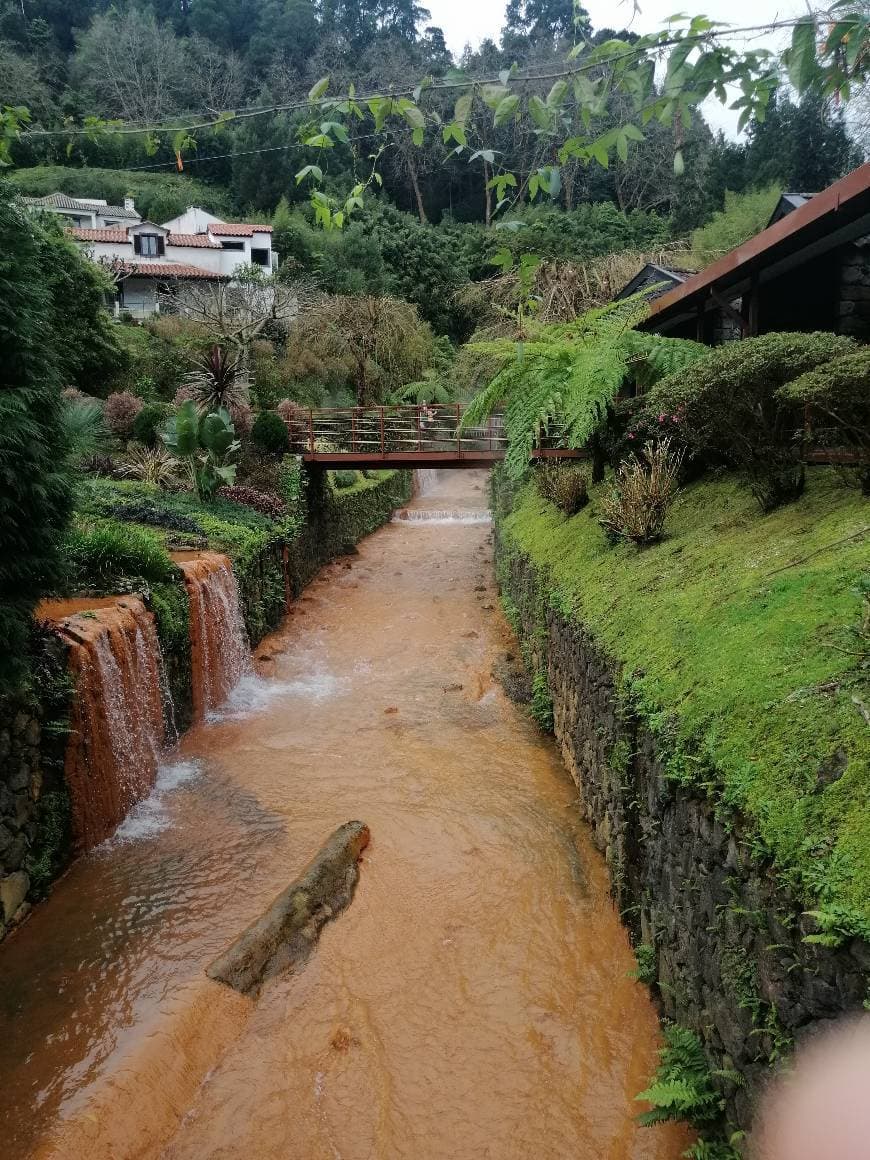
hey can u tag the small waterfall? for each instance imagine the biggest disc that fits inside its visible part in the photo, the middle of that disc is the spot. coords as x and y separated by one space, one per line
117 721
426 480
441 516
220 652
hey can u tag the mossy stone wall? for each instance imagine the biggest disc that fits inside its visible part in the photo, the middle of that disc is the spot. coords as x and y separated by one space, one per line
725 941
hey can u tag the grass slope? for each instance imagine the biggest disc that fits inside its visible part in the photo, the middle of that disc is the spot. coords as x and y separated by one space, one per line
737 639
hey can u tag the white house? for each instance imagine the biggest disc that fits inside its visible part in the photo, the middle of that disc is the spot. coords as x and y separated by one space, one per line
150 262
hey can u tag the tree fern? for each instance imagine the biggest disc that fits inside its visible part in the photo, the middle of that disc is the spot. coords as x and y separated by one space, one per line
563 380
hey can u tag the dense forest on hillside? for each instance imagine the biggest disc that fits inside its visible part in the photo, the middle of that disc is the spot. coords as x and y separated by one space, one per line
68 62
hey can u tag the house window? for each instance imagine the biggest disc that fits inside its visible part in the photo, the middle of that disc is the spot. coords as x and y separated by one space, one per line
233 245
260 257
149 245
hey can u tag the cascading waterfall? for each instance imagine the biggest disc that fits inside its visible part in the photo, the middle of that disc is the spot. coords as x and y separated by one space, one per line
117 725
220 653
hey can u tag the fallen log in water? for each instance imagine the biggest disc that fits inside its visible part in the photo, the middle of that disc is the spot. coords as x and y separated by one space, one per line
285 935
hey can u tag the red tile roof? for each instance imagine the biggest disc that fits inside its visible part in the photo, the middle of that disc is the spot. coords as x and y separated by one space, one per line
203 241
168 270
104 235
238 229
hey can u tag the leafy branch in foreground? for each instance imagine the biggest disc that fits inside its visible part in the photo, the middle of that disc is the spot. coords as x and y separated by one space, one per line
563 381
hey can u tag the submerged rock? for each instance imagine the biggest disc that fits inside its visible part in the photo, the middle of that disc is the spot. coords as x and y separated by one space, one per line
286 934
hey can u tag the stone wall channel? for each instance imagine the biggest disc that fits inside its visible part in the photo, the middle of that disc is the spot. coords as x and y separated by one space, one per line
730 960
35 817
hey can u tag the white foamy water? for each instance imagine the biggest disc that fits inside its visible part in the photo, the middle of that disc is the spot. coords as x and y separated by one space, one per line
440 516
151 816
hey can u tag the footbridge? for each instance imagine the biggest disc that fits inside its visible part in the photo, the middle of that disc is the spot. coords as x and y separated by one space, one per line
424 436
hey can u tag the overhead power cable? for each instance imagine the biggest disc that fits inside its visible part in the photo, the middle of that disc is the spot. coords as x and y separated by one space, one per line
232 117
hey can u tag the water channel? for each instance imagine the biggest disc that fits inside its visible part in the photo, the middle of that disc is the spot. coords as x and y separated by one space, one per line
474 1000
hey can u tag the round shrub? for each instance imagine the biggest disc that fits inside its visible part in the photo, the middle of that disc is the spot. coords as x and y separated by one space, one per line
269 433
727 406
120 412
150 422
344 479
836 397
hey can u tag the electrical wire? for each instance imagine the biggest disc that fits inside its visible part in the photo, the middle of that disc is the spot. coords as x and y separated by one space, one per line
232 117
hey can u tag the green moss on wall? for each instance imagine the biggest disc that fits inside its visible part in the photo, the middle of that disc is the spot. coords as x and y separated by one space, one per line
737 640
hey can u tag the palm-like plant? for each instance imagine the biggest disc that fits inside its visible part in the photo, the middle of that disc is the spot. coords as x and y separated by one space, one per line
218 379
84 429
151 465
568 375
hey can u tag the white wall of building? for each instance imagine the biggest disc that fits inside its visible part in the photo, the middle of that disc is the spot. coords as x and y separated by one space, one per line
193 221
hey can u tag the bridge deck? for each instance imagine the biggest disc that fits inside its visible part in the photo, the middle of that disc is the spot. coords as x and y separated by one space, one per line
428 436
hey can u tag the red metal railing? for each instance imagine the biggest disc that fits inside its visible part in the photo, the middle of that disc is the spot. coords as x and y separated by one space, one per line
396 431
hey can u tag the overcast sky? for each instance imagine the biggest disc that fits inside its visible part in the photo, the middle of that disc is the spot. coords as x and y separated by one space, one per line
470 21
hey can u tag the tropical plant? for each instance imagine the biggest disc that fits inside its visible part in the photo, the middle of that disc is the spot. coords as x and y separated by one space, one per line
731 408
430 389
837 396
120 411
84 428
645 488
269 433
564 380
154 465
563 485
205 443
217 379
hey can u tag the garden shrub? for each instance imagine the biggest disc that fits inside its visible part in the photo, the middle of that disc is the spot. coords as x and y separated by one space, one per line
269 433
645 488
344 479
120 413
730 407
563 485
837 395
150 422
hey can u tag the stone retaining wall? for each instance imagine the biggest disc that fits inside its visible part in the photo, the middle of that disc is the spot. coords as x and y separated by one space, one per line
723 937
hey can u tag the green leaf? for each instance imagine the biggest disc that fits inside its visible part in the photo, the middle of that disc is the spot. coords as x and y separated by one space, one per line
506 110
488 155
319 89
556 95
679 164
309 171
493 95
320 141
801 58
462 108
413 116
417 136
540 114
503 259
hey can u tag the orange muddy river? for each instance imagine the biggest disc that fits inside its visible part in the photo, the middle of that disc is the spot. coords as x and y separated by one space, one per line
473 1001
